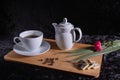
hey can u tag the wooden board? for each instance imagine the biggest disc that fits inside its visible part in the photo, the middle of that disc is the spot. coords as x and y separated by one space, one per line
59 59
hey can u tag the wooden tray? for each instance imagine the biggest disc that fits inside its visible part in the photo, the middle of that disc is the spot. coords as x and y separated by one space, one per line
55 55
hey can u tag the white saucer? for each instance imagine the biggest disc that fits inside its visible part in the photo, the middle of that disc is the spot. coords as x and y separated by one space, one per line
45 46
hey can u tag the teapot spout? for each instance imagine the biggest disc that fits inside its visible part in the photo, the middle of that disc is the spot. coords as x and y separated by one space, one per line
54 24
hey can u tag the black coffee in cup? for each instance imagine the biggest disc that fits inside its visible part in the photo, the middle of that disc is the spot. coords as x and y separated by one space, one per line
31 36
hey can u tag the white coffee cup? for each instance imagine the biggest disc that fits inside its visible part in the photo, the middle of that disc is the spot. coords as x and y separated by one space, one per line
31 39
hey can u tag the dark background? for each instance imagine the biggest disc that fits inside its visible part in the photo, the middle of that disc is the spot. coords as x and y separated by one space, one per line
92 16
98 19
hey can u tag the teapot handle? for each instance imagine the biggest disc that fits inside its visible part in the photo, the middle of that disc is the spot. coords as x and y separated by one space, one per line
74 34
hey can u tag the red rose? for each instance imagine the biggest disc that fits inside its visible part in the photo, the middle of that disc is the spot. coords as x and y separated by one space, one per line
97 46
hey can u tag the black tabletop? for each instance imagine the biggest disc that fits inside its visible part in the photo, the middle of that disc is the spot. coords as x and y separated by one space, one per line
110 69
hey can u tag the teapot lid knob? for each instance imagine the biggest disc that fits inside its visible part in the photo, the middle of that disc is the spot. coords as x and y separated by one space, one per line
65 23
65 20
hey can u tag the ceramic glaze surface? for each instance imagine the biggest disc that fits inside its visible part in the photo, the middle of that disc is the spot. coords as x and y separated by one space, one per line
65 34
30 44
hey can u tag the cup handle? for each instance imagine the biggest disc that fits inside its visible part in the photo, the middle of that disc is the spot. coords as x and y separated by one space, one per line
16 42
74 35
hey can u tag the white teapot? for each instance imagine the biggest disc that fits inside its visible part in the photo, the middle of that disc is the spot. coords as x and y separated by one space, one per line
65 35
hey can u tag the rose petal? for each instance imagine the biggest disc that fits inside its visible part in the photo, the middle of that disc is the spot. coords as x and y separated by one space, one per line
97 46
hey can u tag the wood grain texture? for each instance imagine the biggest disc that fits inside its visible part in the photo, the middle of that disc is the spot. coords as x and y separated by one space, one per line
59 64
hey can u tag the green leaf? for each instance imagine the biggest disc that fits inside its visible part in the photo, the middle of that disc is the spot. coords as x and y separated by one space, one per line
88 52
104 51
81 51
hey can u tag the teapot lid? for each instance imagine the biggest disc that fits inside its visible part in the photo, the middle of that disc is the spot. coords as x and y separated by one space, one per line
65 23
